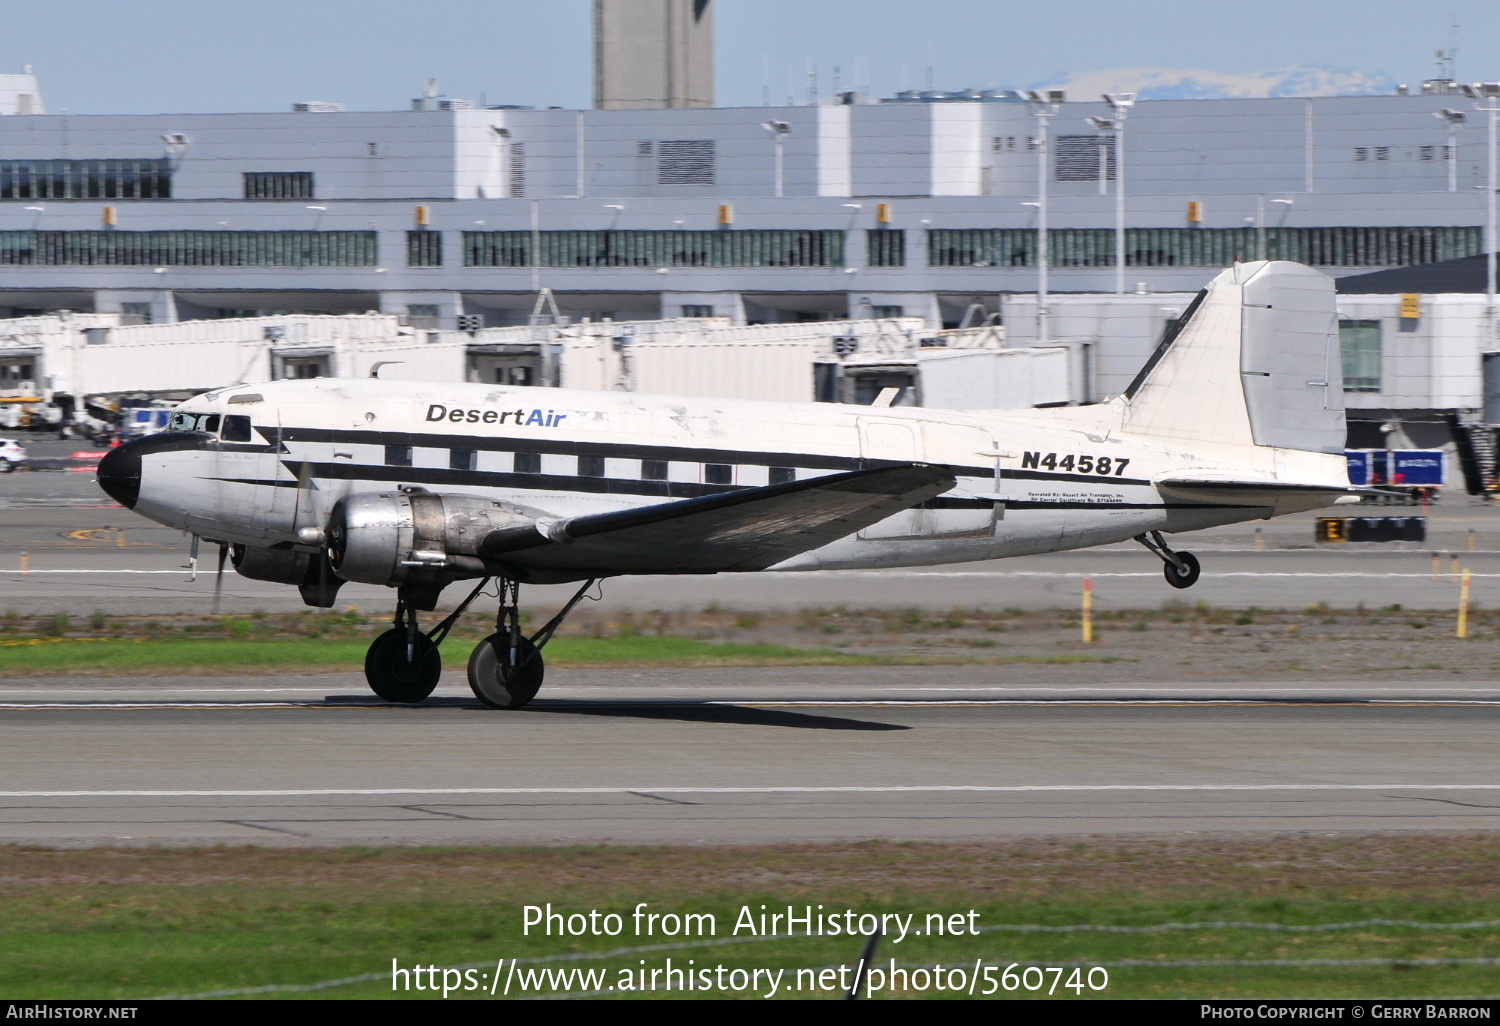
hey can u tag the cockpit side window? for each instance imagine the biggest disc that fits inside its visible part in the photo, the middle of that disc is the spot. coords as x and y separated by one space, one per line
211 424
236 429
183 422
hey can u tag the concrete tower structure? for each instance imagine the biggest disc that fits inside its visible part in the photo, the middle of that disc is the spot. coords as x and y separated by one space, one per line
653 54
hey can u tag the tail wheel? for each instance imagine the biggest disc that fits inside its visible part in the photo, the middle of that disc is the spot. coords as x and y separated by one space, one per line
398 676
1179 579
499 684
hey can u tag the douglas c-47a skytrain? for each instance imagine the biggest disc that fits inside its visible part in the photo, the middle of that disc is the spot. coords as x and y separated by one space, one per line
1237 415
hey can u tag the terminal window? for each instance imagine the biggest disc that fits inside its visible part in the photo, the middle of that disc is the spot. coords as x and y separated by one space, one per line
135 313
886 247
696 310
771 247
188 249
86 179
424 249
278 185
1343 246
1359 342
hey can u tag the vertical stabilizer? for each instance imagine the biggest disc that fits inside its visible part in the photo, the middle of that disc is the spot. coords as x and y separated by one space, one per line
1254 360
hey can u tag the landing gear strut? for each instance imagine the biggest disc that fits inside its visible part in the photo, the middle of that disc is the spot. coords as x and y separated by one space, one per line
1181 569
505 669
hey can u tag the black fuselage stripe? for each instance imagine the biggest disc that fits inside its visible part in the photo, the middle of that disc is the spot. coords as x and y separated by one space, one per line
617 450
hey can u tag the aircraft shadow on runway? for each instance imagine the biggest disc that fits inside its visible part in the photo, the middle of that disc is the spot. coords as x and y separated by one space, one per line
739 715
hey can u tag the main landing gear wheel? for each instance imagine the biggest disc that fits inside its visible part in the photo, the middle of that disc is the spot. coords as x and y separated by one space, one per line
403 666
501 682
506 668
1182 578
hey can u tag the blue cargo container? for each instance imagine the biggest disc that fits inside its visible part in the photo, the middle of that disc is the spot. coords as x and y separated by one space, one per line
1398 468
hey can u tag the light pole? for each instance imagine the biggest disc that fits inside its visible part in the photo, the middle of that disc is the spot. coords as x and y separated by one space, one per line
1120 103
779 131
1455 120
1044 104
1489 92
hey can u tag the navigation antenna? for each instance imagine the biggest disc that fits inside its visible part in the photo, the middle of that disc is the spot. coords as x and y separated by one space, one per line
1446 59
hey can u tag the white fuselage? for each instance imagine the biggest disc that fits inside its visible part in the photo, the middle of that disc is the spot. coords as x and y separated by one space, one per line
1027 481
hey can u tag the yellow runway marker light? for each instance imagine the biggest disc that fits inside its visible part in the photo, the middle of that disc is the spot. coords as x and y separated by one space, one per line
1463 606
1088 610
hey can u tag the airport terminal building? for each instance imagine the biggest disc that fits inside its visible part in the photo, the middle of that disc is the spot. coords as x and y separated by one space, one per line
921 205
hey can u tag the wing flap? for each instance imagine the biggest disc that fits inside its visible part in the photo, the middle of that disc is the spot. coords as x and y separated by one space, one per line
748 529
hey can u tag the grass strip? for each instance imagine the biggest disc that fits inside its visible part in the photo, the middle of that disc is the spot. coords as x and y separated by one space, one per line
132 923
36 656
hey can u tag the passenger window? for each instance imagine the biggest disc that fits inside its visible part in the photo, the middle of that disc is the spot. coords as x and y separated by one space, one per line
236 429
462 459
591 466
718 473
398 455
528 463
783 475
653 470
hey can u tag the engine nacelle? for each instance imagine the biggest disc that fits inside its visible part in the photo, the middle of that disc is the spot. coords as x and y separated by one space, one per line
415 536
280 566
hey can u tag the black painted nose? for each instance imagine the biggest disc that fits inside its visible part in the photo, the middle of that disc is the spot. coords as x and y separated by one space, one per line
120 473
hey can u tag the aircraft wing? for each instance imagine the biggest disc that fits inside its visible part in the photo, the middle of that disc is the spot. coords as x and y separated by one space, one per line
748 529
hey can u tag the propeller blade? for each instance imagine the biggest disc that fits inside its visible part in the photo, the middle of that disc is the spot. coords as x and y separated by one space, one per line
219 576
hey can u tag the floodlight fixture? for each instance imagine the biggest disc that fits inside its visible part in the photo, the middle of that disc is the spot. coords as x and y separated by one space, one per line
1453 117
1102 124
778 127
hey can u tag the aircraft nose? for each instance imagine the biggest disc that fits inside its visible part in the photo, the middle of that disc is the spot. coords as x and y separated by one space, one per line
119 473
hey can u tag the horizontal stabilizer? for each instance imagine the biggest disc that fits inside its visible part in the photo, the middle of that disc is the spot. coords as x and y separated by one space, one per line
748 529
1282 496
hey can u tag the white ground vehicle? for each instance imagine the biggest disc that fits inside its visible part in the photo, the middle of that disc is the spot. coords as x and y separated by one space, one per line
12 455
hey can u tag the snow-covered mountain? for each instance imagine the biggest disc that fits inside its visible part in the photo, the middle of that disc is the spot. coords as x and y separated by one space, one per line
1198 84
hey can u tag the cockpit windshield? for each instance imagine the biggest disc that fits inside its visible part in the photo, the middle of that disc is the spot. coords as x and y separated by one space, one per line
183 421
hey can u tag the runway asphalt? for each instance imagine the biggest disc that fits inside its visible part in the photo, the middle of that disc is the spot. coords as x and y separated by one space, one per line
738 755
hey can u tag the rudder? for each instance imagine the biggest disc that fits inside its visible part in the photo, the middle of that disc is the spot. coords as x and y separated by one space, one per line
1254 360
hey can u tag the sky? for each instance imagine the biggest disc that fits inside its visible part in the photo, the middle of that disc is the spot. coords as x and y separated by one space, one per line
148 56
